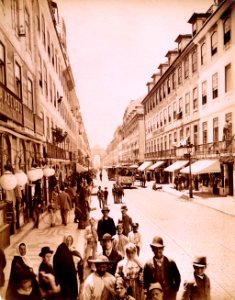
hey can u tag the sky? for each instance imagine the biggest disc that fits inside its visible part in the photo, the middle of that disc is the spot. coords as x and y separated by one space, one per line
114 47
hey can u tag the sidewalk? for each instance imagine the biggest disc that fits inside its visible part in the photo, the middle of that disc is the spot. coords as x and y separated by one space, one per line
224 204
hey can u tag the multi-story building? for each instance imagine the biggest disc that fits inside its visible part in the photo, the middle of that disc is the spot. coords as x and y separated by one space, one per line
190 101
39 109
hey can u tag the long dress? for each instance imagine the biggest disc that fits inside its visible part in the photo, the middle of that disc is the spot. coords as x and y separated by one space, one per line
65 272
132 273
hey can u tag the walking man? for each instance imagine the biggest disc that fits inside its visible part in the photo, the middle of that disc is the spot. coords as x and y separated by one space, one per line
126 220
105 224
65 204
163 270
100 196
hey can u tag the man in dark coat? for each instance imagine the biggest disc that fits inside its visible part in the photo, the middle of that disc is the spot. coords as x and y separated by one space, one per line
65 204
198 286
113 255
126 220
3 263
105 224
163 270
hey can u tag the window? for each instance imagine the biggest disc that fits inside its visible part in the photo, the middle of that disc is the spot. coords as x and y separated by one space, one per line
204 93
50 88
40 70
27 30
228 78
48 128
180 114
227 30
194 60
194 28
195 99
214 41
169 113
195 135
15 15
38 24
48 44
29 94
168 86
215 86
203 54
18 80
164 116
174 110
45 80
215 130
187 104
43 31
180 74
52 54
204 132
186 67
2 64
173 81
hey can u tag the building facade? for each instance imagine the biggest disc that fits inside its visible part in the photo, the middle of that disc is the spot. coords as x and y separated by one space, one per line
39 109
191 99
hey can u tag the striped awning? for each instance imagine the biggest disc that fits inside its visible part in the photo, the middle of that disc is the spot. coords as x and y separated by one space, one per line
176 165
156 165
203 166
144 165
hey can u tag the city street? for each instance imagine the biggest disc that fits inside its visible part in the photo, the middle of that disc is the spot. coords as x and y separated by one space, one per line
187 228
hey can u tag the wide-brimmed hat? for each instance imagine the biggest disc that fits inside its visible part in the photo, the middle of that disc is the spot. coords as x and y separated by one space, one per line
105 208
45 250
106 237
101 259
199 261
124 207
157 242
155 285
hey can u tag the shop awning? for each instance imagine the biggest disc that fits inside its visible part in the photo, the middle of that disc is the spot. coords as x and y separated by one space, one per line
144 165
156 165
133 166
203 166
176 165
80 168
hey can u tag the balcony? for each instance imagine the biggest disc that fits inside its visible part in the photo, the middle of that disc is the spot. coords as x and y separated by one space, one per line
54 151
10 106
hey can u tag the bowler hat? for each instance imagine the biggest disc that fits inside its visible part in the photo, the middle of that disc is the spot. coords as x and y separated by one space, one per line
124 207
106 237
157 242
105 208
101 259
199 261
45 250
155 285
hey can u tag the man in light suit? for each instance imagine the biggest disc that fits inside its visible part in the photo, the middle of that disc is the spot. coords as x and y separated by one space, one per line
163 270
198 286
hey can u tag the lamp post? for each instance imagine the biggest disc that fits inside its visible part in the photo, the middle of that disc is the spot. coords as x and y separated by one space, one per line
88 162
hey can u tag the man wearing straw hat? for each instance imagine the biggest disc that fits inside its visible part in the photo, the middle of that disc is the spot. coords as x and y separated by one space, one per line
100 284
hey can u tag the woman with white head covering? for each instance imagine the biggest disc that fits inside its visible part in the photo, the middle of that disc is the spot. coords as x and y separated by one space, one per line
21 263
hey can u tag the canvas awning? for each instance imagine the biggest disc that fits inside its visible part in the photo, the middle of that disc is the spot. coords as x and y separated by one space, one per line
80 168
176 165
156 165
133 166
144 165
203 166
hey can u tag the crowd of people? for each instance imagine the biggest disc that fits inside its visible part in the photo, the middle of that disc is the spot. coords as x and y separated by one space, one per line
110 267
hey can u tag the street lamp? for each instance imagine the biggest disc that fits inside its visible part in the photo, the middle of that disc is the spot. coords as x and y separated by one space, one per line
88 162
188 155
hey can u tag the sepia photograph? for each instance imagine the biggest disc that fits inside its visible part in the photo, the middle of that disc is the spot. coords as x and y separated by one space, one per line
117 149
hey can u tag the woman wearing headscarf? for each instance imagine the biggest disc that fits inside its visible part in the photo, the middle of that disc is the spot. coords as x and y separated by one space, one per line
21 264
65 271
131 270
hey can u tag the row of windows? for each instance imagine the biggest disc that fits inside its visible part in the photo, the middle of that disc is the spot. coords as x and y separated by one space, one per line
171 140
180 108
183 69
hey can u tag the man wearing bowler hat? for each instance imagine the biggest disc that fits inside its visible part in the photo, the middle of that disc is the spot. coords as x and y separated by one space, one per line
126 220
105 224
112 254
198 286
163 270
100 284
